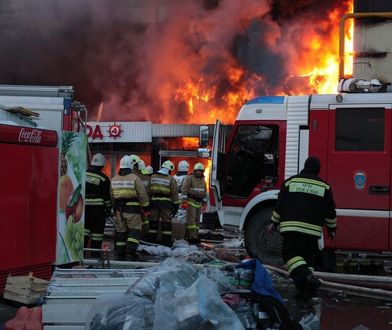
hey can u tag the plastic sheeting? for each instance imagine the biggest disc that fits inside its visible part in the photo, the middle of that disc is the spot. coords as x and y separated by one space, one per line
174 295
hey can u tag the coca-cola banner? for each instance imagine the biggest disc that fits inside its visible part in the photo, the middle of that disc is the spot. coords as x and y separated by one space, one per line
27 135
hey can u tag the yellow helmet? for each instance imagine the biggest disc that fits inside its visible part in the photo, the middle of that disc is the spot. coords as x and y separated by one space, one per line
135 159
169 165
198 167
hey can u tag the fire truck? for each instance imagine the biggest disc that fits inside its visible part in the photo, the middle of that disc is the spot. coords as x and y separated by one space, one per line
350 132
38 124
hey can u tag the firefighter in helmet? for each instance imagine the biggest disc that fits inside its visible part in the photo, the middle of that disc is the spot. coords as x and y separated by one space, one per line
179 221
138 168
98 204
130 201
164 204
194 200
305 205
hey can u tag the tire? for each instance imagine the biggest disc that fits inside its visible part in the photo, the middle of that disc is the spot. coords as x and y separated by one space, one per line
258 243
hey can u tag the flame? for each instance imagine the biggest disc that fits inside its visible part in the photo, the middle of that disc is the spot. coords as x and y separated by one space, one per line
314 70
189 142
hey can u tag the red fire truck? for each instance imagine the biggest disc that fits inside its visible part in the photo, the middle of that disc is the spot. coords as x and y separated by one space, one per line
32 122
350 132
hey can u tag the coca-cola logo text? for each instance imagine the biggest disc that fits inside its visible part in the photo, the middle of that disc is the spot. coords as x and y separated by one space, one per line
30 136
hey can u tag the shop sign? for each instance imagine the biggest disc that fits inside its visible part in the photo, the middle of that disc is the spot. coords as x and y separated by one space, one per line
97 132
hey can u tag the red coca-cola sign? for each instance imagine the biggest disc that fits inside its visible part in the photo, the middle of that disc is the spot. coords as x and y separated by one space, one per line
27 135
33 136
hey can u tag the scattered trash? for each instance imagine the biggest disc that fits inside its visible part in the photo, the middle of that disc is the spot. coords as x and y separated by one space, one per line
310 322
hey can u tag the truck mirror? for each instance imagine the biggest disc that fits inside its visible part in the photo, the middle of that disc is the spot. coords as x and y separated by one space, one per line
203 136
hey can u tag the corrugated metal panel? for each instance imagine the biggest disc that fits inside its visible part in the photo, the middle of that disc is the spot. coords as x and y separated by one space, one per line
297 115
175 130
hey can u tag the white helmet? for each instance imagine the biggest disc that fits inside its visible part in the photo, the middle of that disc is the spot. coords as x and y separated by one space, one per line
183 166
198 167
169 165
149 169
126 162
135 159
142 164
98 160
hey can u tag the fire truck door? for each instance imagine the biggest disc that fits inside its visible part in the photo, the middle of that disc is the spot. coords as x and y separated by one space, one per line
359 171
218 154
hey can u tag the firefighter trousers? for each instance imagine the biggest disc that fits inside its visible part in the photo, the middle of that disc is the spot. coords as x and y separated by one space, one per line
128 232
94 226
160 230
192 222
298 252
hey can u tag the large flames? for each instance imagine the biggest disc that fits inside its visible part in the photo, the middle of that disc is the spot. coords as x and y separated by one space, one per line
312 70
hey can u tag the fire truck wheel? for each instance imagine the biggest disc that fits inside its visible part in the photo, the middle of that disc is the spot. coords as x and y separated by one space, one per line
260 244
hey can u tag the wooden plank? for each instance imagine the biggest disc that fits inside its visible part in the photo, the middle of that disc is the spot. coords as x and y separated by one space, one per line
24 299
23 111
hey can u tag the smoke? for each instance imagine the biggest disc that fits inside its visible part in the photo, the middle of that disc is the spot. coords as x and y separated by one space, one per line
140 57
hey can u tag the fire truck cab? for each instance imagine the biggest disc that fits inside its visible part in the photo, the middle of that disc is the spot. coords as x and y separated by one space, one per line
270 140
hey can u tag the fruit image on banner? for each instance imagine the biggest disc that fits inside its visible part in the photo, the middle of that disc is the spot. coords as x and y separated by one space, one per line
70 226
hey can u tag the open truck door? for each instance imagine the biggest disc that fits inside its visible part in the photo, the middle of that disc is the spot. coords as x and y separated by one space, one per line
217 164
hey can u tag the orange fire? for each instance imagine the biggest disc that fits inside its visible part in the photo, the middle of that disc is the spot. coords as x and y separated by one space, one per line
313 70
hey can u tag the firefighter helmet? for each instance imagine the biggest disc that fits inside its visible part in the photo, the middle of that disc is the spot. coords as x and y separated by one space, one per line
168 165
198 167
98 160
142 164
149 169
183 166
126 162
135 159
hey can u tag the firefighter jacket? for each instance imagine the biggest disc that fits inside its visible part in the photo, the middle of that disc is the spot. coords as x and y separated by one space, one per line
146 179
163 191
179 180
128 193
98 190
305 204
194 191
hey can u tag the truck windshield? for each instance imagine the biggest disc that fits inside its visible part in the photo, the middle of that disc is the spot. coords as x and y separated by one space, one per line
252 156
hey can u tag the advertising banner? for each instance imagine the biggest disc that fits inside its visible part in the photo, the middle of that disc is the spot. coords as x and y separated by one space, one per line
70 219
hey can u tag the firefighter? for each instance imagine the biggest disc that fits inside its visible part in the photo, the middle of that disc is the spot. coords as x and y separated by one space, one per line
98 204
305 205
164 204
138 168
179 221
130 201
194 200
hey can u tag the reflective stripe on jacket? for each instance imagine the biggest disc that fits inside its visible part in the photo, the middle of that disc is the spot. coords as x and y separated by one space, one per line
305 204
98 189
129 187
194 191
164 188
